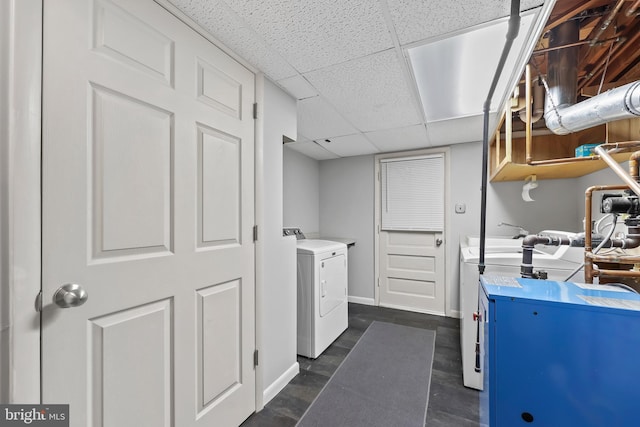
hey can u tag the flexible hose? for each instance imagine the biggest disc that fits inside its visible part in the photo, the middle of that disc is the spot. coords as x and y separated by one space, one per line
597 249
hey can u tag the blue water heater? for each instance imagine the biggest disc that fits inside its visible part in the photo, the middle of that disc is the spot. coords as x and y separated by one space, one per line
559 354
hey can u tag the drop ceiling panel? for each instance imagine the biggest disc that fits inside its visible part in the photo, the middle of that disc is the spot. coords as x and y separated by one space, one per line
314 34
350 145
311 149
460 130
409 16
371 92
225 25
318 119
399 139
298 86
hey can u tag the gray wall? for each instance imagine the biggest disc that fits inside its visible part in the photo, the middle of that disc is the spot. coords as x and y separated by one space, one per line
346 210
301 192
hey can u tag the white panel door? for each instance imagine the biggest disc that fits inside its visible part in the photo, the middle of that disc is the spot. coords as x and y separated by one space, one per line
411 250
411 268
148 205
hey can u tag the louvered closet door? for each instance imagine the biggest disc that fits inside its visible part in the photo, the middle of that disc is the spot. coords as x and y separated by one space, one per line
411 250
148 204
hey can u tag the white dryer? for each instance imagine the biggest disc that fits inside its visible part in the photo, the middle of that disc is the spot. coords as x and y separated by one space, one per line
322 294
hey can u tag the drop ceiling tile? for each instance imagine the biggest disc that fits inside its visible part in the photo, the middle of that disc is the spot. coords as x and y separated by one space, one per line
409 16
317 119
311 149
225 25
313 34
299 87
399 139
371 92
350 145
460 130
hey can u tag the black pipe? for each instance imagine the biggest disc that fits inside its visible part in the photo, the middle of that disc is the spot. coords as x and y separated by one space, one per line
526 268
512 33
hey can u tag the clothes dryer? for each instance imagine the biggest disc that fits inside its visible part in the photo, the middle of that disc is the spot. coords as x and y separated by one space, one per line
322 295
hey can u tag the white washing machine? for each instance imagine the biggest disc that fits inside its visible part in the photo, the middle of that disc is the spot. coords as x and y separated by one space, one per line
322 295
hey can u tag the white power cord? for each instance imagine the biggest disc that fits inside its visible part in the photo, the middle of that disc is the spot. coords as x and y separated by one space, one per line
600 246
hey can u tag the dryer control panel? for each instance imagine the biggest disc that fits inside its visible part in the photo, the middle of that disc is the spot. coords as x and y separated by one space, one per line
293 231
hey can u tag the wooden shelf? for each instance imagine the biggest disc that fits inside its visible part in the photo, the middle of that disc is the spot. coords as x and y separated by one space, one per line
508 158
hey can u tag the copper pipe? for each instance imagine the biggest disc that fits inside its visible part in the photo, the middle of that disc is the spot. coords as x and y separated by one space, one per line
614 273
617 169
527 97
617 147
622 145
563 160
549 49
633 165
620 259
588 263
633 9
607 21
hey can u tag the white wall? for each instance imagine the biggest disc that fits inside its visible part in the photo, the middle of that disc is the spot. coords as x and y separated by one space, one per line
346 210
4 197
278 310
301 192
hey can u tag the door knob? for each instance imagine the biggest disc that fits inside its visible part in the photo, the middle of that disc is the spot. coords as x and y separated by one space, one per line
70 295
438 242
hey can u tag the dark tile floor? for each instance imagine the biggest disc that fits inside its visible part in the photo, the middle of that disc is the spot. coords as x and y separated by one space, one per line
450 403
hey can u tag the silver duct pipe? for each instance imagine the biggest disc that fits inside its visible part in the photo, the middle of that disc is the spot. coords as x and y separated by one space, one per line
562 69
616 104
562 115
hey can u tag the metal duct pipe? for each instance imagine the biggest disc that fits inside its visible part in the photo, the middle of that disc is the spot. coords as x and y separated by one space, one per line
562 115
616 104
562 71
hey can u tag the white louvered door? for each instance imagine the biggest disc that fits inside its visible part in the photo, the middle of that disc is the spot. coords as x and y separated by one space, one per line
148 204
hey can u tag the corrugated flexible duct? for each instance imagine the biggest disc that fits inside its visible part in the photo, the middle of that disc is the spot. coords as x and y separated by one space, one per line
562 115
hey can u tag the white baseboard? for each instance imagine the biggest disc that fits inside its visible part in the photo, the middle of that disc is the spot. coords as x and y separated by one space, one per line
277 386
456 314
415 310
361 300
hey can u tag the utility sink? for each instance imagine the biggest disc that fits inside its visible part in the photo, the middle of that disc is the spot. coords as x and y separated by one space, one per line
508 251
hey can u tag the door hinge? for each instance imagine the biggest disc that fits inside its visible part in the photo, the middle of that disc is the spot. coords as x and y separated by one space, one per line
255 233
255 110
378 282
38 302
255 358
